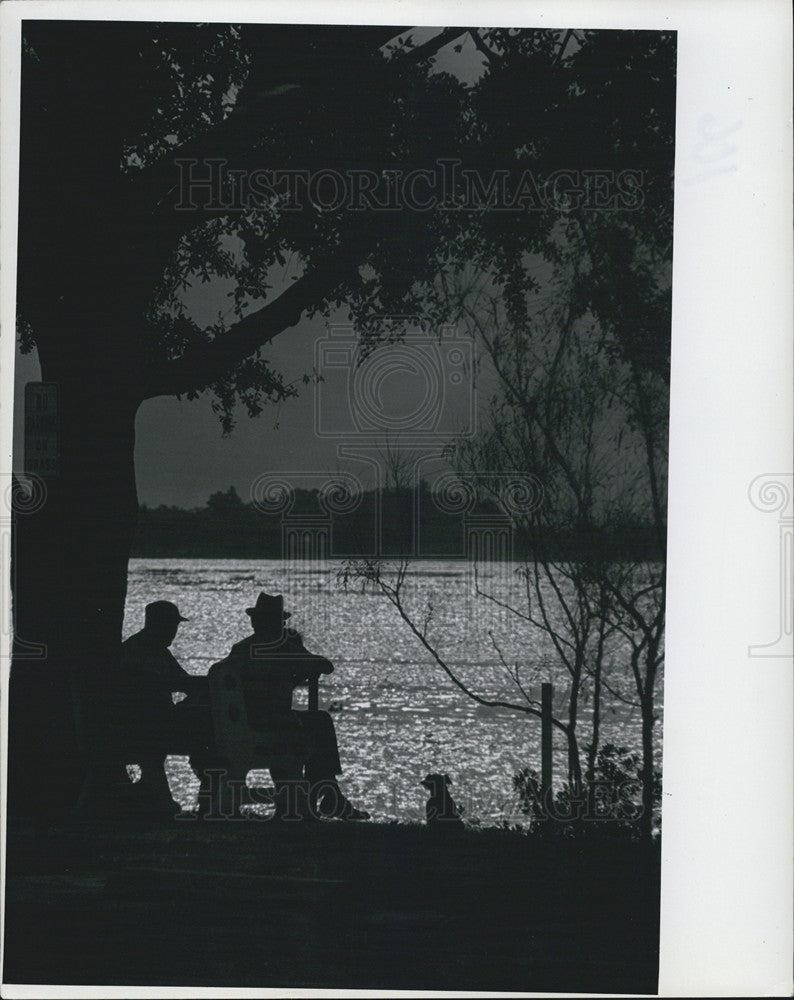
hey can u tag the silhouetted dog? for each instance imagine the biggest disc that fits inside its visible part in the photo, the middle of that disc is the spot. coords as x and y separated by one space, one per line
440 808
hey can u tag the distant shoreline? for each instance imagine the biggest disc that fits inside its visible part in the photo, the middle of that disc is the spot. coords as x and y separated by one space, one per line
395 526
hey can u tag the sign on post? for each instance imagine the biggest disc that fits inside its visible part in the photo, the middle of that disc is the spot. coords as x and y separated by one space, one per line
42 438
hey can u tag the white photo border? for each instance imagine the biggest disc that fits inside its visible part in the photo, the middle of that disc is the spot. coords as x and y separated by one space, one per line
728 751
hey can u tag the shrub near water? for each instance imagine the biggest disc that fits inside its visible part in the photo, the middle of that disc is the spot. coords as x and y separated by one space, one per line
608 807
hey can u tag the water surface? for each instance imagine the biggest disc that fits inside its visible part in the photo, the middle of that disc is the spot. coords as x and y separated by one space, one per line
398 716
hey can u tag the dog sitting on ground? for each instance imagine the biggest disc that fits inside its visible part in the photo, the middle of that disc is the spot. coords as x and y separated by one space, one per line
440 807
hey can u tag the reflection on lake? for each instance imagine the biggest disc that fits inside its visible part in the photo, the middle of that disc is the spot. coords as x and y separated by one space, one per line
397 715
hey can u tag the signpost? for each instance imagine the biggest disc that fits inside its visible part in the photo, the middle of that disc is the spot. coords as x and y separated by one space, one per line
42 436
545 744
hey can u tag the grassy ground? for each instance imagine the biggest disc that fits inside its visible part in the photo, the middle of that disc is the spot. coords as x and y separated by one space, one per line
197 903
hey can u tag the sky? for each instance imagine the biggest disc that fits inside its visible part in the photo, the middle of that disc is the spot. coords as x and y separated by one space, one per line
182 457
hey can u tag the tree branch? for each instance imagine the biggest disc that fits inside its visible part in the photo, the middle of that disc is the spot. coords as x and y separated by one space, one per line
204 364
433 45
564 45
489 54
275 90
273 83
393 595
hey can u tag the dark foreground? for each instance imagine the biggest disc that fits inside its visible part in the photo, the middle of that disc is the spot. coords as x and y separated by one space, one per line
349 906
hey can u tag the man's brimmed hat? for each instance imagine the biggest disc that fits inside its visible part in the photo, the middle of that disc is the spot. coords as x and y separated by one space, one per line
269 606
162 612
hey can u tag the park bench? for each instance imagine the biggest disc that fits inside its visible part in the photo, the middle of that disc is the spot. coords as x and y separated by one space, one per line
241 740
242 737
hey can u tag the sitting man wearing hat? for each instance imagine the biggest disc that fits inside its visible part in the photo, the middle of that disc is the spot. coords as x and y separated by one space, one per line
272 662
152 674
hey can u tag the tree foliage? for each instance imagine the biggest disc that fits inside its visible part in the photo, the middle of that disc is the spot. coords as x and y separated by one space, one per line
101 135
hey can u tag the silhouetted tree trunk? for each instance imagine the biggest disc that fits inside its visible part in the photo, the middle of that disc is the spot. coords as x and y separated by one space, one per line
69 586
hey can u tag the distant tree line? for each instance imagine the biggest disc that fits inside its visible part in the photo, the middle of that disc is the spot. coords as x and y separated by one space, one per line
229 528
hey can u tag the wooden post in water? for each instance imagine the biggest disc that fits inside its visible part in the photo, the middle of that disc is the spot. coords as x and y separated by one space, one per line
545 743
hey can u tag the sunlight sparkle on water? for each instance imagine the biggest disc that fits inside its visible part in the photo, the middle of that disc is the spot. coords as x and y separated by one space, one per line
397 715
